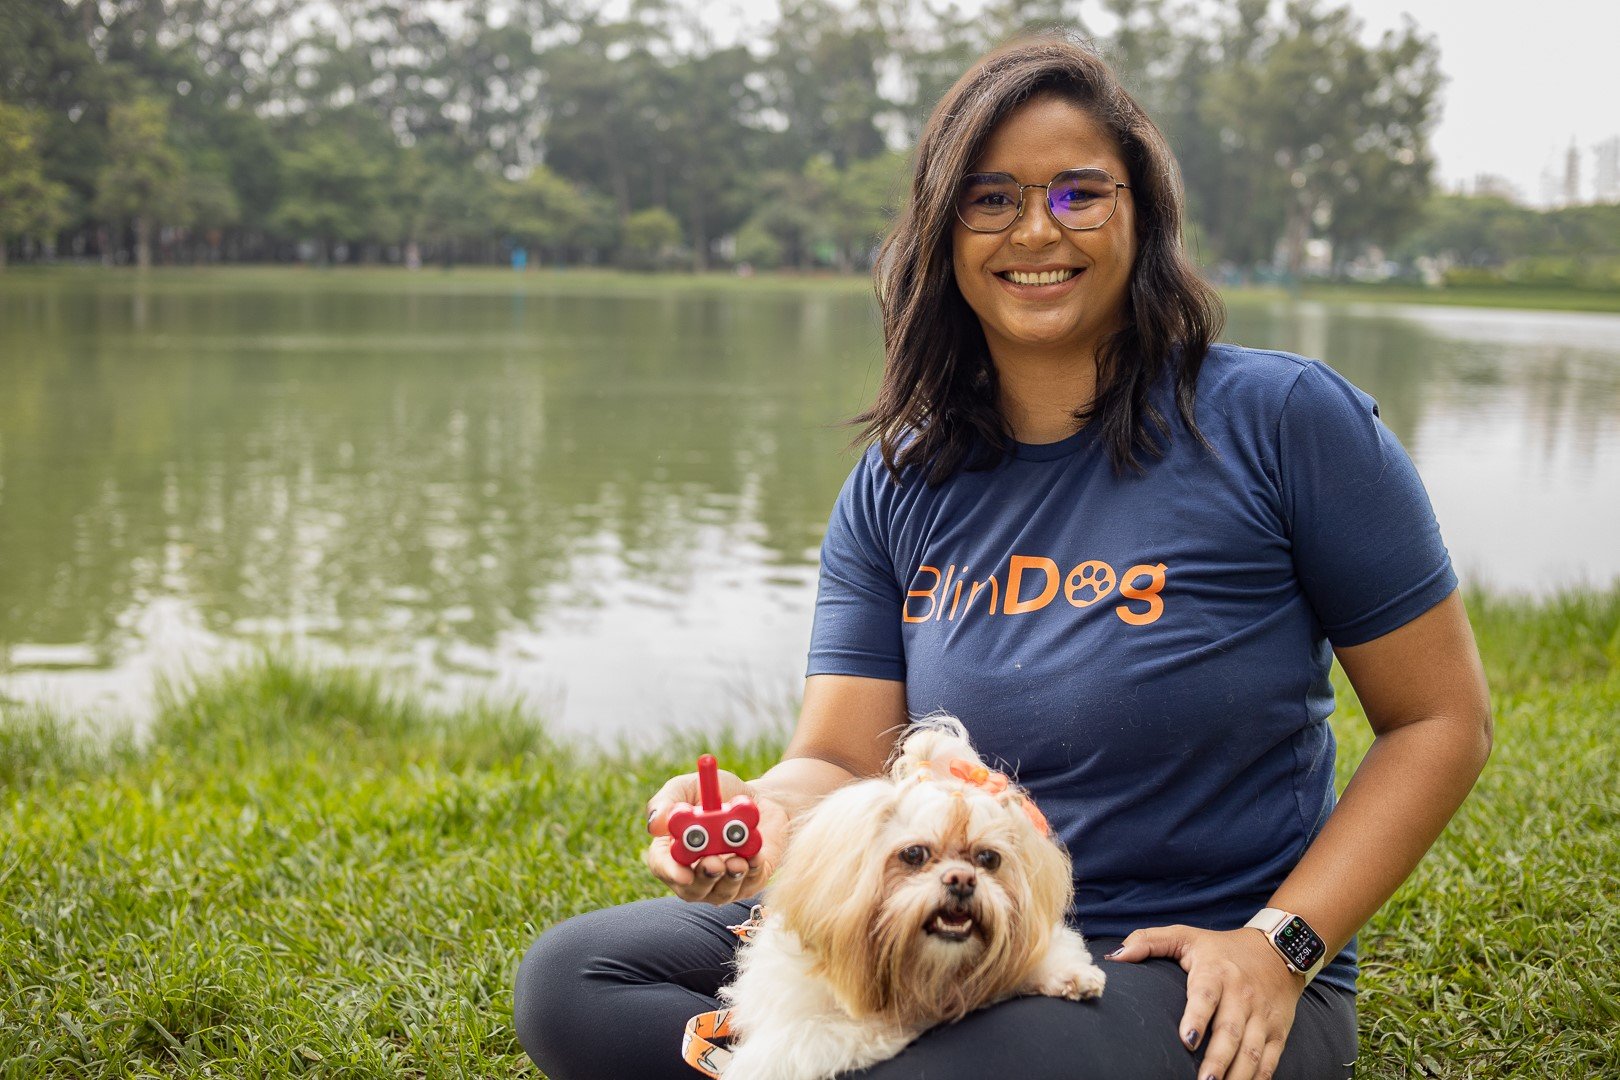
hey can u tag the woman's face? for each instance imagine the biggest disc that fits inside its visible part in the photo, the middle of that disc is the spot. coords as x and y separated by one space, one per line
1035 142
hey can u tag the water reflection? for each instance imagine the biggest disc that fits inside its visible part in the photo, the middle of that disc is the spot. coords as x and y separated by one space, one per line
608 503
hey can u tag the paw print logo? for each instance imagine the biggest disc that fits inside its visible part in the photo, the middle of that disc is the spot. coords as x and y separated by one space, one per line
1090 582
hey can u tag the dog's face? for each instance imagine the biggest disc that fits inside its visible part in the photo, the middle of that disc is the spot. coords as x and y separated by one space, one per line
921 899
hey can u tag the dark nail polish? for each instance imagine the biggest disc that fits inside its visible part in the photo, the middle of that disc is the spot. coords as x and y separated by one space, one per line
1115 953
1192 1038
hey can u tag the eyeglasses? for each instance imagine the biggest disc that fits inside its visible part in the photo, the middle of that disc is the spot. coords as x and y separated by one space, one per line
1079 199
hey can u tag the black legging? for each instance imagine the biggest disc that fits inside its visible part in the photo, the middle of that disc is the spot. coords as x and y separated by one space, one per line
606 996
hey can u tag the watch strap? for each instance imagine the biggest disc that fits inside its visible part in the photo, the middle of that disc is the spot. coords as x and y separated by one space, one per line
1270 920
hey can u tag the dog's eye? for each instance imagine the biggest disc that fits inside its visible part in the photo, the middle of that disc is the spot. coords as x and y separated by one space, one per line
988 859
915 855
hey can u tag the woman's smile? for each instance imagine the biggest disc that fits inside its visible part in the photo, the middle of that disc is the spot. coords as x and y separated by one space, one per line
1040 286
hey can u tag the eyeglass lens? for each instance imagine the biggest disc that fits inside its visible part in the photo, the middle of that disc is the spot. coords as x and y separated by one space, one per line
1079 198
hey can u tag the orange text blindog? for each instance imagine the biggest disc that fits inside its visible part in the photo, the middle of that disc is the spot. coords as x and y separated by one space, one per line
1033 582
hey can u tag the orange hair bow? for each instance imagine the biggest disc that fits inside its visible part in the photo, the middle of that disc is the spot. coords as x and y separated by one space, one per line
980 777
995 783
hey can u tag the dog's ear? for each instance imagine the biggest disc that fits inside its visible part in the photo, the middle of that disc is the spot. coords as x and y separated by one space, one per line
830 886
1047 870
932 743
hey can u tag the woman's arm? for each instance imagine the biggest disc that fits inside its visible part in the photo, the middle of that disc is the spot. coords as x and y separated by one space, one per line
1424 693
848 726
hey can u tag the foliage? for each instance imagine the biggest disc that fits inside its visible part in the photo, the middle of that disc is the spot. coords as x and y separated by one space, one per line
30 204
1320 134
559 218
143 181
651 239
1492 240
293 128
300 874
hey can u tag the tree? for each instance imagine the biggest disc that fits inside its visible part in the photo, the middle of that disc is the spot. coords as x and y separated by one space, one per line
555 217
458 208
650 239
589 94
823 79
1334 131
787 223
143 181
30 204
857 203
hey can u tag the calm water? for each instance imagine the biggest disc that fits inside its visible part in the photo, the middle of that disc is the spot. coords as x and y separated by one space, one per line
606 500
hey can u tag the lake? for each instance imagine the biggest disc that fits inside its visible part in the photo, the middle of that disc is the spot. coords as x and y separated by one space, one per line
600 494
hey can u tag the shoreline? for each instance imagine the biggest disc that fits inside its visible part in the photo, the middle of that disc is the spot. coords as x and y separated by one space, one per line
540 280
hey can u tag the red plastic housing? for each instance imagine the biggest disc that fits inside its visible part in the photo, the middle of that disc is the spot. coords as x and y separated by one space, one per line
715 828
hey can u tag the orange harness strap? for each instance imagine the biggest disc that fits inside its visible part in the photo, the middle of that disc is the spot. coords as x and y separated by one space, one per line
702 1044
698 1046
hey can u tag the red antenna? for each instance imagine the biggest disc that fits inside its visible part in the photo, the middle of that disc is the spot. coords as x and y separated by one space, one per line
709 781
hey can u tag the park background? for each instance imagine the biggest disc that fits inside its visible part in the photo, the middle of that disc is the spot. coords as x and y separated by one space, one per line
418 421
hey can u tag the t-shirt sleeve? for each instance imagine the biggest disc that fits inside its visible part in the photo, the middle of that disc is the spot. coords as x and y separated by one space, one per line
1366 544
858 599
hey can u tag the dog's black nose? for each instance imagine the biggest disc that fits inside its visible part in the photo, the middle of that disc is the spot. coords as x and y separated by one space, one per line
959 881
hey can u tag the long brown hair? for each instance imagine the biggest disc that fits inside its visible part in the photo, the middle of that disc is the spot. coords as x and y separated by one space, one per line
938 404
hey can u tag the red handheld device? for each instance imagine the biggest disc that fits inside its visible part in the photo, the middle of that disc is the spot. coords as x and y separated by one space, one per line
715 828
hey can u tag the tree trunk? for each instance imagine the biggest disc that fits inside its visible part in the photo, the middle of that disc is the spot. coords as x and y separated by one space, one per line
1298 231
700 237
143 242
2 253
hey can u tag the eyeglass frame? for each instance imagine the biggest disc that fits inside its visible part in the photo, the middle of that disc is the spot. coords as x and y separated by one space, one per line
956 205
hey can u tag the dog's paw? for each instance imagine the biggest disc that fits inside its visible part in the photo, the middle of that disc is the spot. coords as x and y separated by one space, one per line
1076 984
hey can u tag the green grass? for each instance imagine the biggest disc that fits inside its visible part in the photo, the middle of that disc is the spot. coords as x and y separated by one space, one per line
298 874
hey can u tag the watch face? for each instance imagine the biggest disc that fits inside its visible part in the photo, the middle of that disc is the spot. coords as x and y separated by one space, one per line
1299 943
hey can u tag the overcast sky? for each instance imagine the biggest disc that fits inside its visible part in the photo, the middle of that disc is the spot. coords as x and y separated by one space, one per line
1524 79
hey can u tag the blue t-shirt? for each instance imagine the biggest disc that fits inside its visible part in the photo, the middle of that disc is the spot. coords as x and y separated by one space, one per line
1149 653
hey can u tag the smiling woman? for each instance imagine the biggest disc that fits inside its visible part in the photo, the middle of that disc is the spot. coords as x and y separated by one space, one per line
1119 302
1220 523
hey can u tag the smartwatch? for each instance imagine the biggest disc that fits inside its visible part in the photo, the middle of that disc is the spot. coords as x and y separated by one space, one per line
1300 947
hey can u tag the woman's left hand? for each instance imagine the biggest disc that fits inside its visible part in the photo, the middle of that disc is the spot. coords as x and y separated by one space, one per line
1239 993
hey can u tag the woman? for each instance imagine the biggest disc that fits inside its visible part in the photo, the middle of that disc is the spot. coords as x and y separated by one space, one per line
1126 559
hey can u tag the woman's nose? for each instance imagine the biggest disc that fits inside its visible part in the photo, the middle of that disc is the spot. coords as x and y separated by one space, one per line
1035 227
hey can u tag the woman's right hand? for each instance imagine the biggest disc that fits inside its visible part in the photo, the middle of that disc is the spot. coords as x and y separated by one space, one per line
714 879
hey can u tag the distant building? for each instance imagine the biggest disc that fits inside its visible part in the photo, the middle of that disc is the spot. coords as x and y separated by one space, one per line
1572 175
1606 170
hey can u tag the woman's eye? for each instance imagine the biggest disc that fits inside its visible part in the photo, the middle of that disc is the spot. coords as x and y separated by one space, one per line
915 855
988 859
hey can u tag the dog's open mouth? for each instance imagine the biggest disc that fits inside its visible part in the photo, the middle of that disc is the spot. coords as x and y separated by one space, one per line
950 925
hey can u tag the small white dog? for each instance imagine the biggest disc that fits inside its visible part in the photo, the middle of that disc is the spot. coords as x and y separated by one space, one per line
900 904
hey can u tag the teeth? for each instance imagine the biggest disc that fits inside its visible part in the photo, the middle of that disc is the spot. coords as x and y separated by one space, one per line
1050 277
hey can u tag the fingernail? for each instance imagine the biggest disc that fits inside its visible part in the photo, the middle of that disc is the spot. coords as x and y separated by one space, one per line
650 815
1192 1038
711 874
1114 954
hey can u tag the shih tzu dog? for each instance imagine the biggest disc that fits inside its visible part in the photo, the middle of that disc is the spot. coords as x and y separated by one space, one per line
903 903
